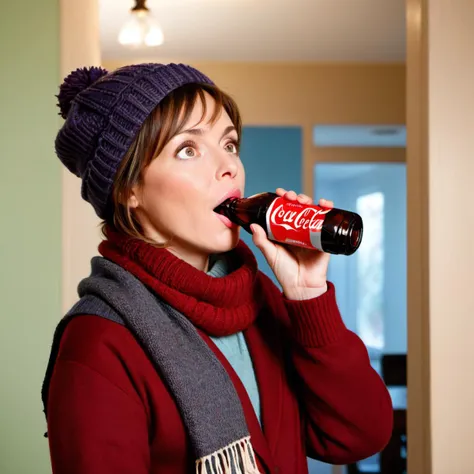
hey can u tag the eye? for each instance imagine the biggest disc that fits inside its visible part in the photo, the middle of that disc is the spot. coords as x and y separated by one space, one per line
232 147
187 151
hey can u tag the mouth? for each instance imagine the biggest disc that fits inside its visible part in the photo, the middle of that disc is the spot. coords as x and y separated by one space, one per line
226 221
233 194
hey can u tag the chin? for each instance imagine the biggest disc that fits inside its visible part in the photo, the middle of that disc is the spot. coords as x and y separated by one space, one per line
226 243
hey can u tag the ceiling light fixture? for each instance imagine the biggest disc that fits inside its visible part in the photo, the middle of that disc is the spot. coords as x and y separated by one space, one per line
141 29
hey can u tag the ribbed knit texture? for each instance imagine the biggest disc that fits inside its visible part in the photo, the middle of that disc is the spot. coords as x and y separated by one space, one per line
326 328
104 119
218 306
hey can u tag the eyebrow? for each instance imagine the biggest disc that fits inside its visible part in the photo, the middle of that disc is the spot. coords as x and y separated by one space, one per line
200 131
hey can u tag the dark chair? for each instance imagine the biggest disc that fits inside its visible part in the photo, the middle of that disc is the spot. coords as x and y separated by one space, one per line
394 370
353 469
393 459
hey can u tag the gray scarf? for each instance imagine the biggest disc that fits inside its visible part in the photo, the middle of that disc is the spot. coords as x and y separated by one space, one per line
206 398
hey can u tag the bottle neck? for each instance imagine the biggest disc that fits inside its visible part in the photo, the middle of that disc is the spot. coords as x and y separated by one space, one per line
246 211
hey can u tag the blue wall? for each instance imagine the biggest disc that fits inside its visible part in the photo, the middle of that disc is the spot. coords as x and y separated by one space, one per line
272 157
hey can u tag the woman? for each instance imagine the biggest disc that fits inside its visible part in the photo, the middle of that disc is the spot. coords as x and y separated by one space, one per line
180 356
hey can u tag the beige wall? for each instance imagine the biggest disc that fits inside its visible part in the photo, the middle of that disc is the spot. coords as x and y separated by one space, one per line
306 94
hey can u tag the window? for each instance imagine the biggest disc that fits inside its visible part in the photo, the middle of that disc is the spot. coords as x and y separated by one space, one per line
370 269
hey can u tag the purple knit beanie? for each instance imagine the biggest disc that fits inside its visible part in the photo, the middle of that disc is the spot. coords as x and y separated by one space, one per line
104 112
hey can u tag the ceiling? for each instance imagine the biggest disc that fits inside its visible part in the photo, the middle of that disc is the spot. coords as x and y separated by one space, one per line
265 30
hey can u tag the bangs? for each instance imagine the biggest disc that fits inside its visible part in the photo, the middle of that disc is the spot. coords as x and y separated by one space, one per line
173 113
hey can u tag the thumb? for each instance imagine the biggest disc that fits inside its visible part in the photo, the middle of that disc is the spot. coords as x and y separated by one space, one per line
260 239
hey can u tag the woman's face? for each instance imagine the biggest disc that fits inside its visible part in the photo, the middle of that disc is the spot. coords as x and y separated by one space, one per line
196 171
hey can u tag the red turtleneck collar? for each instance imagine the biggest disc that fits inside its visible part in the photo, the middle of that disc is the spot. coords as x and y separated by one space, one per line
218 306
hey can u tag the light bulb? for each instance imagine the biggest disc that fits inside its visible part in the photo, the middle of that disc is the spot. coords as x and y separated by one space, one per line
141 29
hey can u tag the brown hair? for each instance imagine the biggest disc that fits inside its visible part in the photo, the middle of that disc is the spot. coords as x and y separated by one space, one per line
166 121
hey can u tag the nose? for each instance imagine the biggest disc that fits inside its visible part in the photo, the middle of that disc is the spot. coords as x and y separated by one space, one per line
227 166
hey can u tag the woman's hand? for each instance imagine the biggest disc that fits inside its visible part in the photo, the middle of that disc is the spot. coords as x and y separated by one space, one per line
301 272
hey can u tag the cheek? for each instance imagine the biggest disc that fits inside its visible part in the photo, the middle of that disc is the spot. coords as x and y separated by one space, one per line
173 200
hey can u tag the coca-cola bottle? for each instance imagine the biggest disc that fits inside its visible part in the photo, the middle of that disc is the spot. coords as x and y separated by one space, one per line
329 230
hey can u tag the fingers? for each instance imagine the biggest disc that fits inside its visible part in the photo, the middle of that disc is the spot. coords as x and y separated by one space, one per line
326 203
302 198
292 196
260 239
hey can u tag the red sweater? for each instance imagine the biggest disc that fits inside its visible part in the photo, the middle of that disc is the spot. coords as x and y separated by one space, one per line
110 412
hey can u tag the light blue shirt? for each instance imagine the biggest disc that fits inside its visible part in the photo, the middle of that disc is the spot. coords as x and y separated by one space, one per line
234 347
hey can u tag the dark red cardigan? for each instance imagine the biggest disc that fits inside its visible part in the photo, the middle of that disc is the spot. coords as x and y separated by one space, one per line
109 411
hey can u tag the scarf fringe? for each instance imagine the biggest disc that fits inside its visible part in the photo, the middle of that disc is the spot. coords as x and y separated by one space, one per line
242 455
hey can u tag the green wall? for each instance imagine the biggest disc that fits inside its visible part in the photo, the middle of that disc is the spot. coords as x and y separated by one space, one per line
30 226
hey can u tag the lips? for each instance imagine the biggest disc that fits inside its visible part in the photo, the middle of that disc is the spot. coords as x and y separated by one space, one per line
234 193
227 222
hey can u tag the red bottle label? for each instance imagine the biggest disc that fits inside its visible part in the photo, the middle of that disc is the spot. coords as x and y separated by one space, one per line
296 224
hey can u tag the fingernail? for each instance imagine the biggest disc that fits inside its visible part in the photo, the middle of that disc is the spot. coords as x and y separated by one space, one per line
252 228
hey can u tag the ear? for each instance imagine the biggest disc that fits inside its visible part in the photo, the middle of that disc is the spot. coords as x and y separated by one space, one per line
132 200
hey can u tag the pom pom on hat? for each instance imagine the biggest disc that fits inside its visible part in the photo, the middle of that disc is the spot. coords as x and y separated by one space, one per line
76 82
